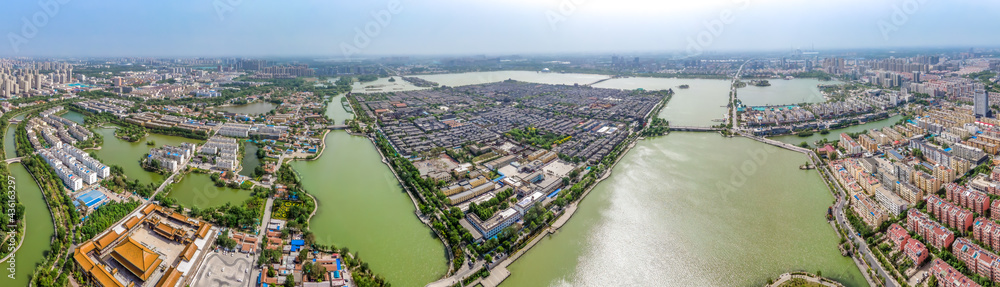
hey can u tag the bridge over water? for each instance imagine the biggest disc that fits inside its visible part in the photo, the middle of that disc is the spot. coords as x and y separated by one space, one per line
694 129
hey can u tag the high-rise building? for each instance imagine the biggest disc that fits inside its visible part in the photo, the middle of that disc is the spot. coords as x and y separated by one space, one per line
982 103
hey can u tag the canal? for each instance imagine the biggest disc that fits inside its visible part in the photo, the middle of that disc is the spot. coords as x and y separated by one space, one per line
38 233
250 160
363 207
9 142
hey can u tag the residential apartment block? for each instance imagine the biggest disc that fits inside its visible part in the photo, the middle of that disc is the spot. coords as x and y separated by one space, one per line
950 214
933 232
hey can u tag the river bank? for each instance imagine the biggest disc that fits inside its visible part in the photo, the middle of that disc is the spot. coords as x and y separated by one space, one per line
36 237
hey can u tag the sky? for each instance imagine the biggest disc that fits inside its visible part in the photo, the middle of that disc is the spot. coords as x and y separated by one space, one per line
335 28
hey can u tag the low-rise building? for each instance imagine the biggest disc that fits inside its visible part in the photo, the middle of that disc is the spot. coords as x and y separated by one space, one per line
890 201
492 226
916 251
871 213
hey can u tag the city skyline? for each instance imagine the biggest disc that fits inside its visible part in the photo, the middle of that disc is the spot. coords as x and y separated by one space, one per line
345 30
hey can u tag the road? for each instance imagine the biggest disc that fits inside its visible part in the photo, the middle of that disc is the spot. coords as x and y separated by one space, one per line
163 185
732 96
858 241
267 218
465 271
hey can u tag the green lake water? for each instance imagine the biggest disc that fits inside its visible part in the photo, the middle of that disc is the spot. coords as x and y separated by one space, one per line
699 105
693 209
363 207
198 190
782 92
127 154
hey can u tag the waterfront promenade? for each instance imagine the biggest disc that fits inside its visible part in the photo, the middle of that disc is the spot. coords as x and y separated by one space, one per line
809 278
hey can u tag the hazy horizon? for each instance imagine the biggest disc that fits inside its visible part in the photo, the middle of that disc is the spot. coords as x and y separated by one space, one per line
348 30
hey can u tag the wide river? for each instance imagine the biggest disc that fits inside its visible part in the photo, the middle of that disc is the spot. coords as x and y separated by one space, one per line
694 209
678 212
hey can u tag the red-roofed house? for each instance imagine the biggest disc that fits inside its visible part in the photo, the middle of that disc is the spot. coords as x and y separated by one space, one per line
916 251
898 235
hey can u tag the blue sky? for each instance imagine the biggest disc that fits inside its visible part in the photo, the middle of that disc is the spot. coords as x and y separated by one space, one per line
437 27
